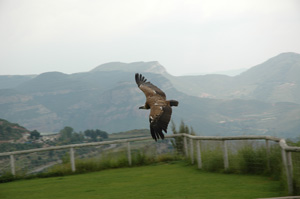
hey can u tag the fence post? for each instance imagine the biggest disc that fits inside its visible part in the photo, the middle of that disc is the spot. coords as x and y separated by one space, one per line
129 153
225 155
289 162
185 147
12 165
199 154
72 159
268 153
286 162
290 168
192 150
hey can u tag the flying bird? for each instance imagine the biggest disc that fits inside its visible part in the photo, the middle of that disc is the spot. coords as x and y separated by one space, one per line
160 108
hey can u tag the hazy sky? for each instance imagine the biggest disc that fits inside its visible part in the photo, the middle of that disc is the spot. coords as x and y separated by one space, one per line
185 36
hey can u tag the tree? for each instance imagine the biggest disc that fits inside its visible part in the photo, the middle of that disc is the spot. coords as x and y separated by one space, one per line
178 141
102 134
34 135
94 134
8 129
77 137
66 134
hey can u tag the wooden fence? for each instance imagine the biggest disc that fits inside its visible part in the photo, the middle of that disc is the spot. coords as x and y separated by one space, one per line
188 142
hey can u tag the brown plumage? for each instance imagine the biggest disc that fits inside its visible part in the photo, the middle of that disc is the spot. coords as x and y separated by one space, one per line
160 108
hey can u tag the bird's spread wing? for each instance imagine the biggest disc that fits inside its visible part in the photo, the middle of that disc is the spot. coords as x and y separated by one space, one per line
148 88
159 119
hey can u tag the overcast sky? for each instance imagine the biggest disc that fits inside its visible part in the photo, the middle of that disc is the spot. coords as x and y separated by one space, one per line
185 36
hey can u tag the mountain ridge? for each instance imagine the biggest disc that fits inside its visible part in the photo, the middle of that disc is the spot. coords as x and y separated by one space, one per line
151 67
109 100
274 80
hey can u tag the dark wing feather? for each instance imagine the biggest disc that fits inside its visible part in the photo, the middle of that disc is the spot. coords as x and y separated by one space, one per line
159 119
147 87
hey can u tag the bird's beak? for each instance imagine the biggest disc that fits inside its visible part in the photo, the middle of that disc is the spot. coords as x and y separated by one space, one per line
141 107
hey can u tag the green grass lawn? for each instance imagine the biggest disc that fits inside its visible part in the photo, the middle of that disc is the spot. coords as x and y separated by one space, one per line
166 180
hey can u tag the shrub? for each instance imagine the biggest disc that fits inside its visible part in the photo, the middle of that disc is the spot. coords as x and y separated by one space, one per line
213 160
7 177
252 161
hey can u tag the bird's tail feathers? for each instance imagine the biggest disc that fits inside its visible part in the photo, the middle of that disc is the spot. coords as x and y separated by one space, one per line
173 103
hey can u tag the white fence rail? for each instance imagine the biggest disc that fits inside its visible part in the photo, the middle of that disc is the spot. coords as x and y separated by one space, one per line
286 150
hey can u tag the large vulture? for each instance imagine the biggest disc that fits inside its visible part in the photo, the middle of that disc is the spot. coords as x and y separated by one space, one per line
160 108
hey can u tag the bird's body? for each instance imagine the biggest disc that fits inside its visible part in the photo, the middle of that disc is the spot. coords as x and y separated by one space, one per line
160 108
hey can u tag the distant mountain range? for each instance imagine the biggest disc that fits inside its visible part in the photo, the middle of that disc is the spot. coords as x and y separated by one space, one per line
276 80
232 72
262 100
